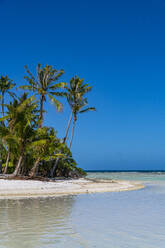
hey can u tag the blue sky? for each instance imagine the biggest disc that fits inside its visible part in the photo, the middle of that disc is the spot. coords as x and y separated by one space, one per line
116 46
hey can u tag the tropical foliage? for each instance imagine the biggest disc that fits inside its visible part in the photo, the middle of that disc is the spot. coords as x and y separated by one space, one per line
28 148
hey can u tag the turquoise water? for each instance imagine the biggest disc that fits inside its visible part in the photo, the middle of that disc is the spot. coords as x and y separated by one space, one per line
135 176
130 219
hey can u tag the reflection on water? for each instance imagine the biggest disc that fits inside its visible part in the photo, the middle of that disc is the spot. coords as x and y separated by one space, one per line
34 222
132 219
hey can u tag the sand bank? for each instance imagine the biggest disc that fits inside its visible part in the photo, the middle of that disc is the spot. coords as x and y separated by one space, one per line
31 188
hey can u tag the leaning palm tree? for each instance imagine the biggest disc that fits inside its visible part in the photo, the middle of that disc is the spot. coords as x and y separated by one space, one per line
75 92
6 86
45 85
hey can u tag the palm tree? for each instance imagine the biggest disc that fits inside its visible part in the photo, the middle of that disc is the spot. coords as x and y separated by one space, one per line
5 87
75 92
4 134
45 148
77 102
39 148
7 131
24 128
45 85
17 111
22 121
4 131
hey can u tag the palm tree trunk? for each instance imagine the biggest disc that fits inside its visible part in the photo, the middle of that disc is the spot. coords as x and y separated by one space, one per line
3 105
73 127
68 126
54 167
41 110
7 163
15 173
34 169
1 151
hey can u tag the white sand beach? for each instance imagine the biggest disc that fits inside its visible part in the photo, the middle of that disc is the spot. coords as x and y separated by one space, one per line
34 188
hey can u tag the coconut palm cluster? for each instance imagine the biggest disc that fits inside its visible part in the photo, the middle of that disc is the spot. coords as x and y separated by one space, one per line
27 147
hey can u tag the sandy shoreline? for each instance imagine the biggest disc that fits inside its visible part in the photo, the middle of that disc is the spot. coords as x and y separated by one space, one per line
30 188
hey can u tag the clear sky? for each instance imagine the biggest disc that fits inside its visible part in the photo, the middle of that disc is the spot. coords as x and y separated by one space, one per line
116 46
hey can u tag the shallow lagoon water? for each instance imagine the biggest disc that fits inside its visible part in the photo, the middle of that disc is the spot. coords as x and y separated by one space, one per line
103 220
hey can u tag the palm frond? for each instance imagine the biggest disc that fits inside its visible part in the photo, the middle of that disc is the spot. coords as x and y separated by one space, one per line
87 109
60 85
54 101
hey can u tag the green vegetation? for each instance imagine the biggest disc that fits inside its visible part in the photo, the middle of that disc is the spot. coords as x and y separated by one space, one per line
27 147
